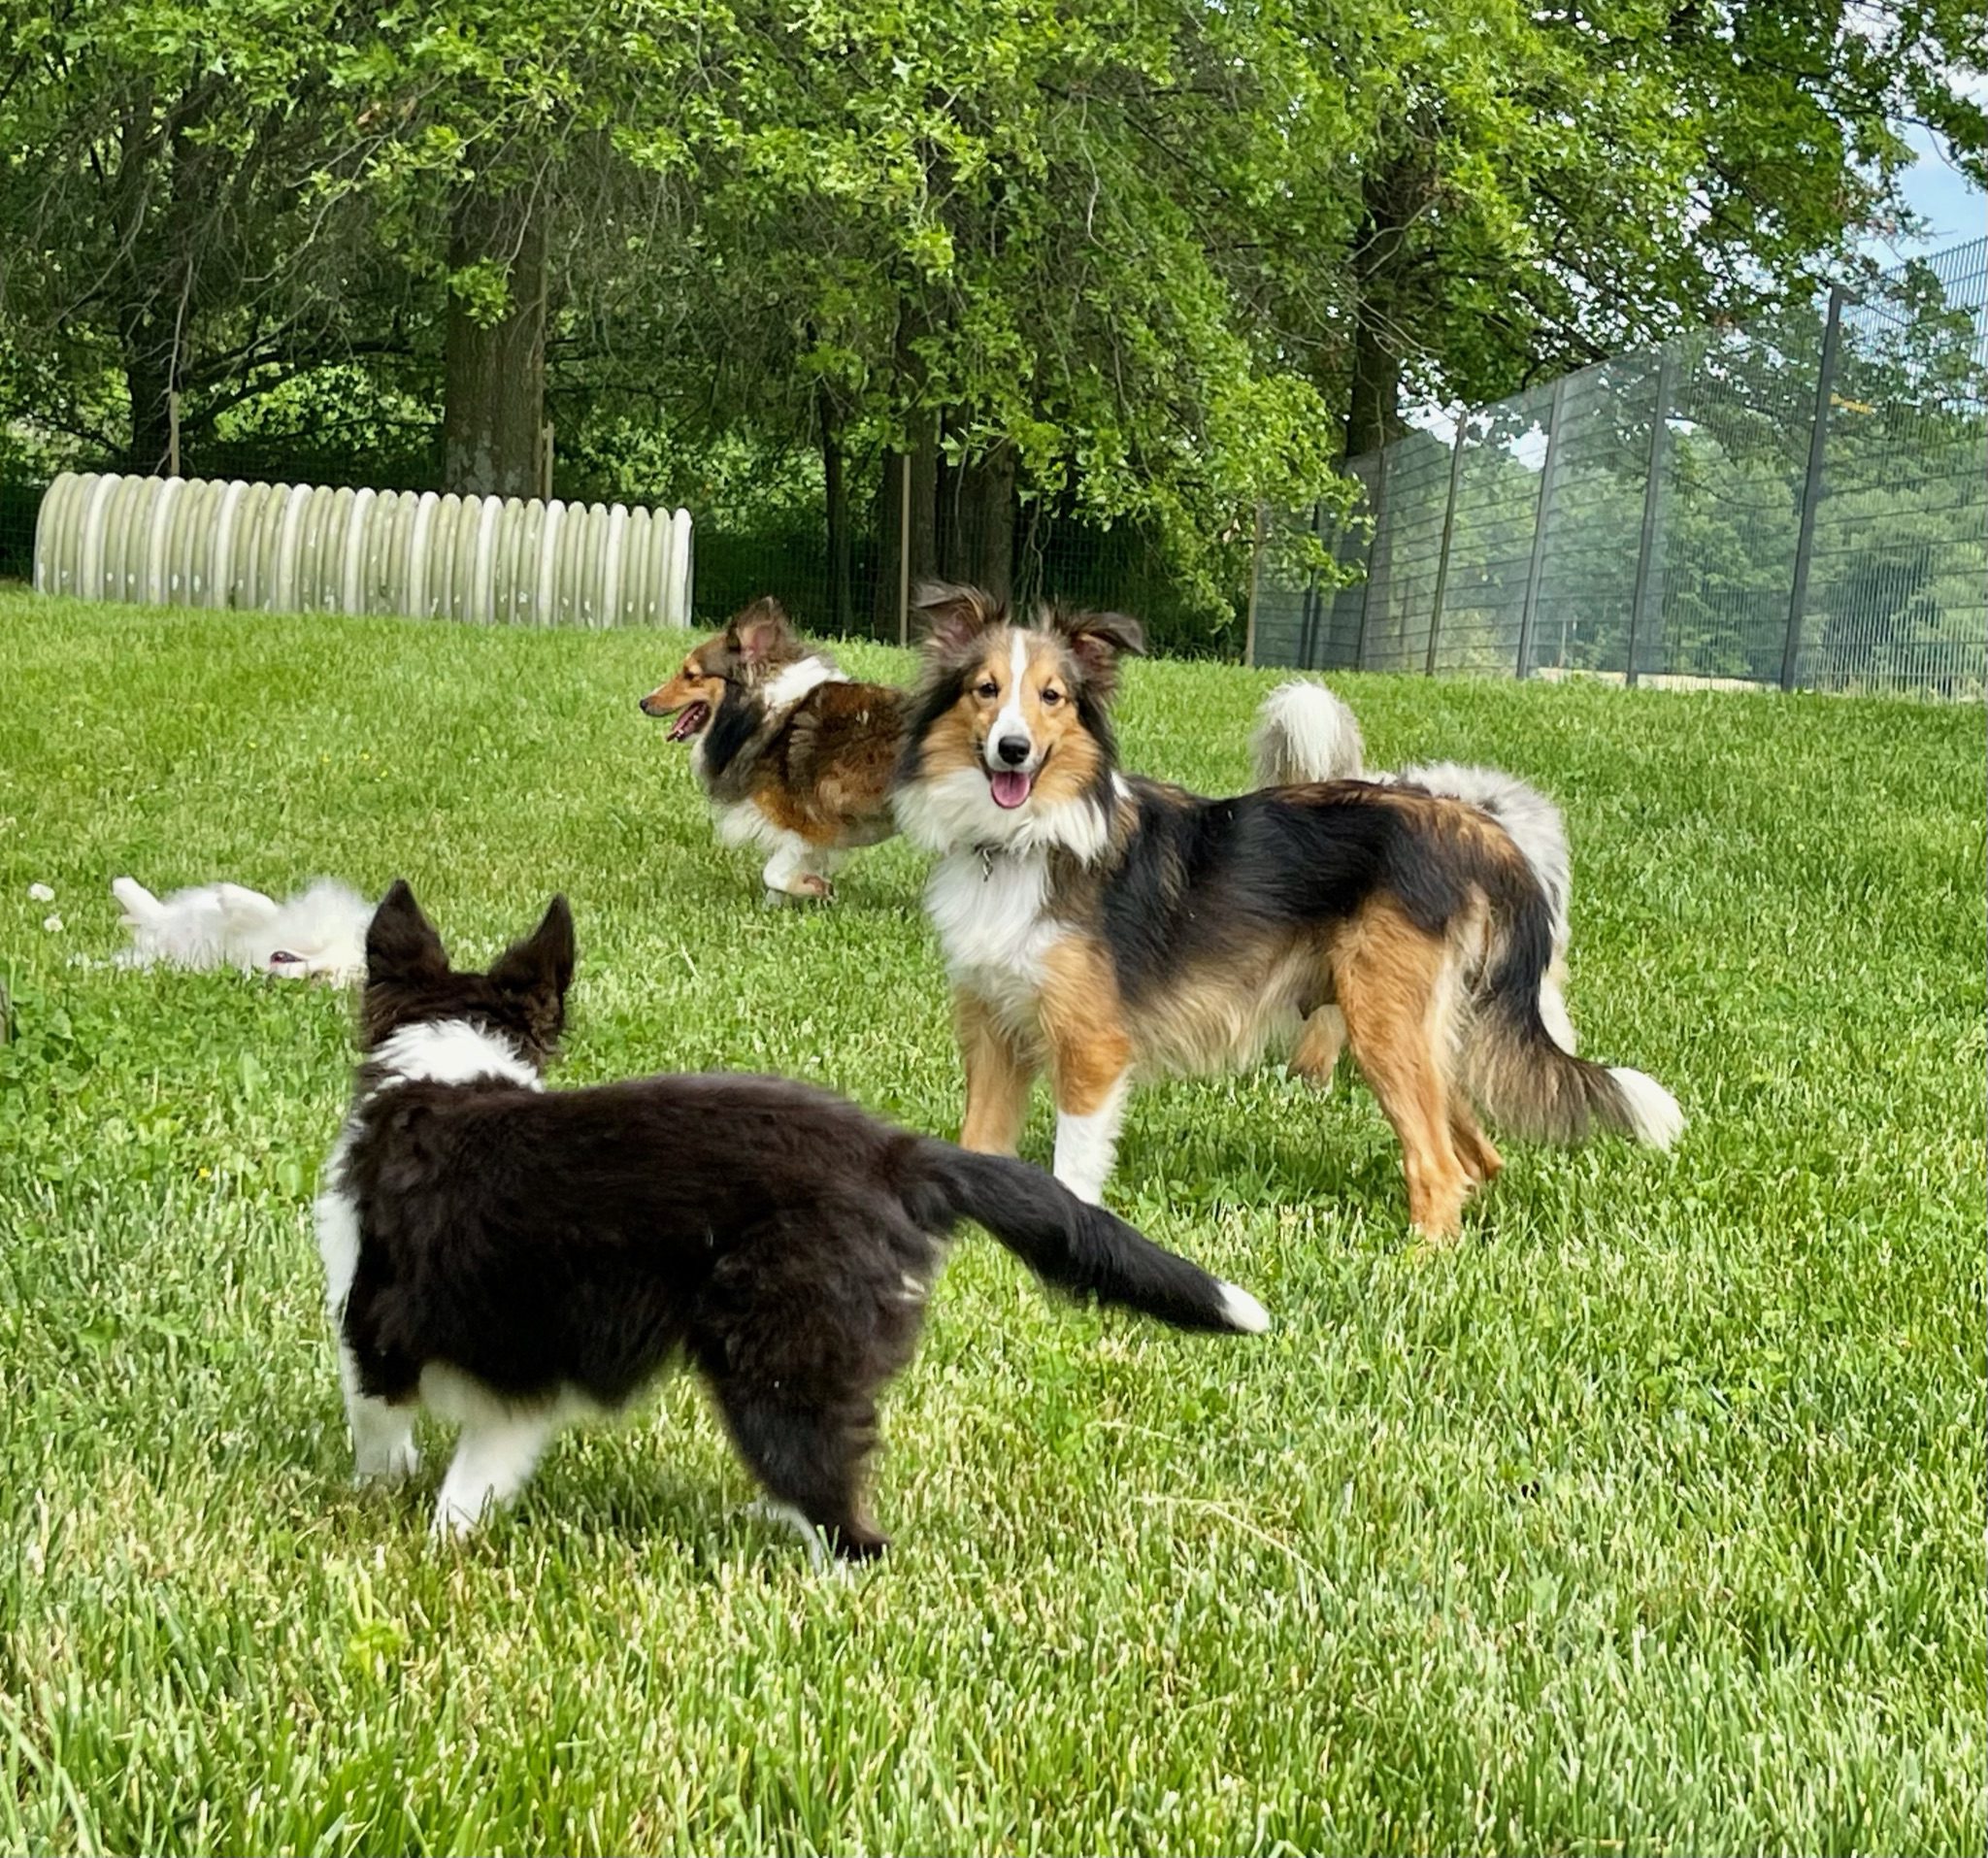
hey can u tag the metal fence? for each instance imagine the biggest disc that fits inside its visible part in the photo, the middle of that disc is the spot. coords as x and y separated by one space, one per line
1802 503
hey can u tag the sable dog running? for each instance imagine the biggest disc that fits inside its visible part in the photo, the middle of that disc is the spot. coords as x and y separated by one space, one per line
1108 926
513 1257
794 757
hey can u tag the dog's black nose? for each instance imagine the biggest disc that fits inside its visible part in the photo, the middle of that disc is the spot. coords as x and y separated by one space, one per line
1013 750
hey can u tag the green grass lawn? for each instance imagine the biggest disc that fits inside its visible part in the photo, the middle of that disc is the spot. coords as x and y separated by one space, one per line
1650 1519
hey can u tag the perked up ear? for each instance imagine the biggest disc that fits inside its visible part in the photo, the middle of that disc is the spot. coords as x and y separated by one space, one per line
760 630
1095 640
401 943
542 962
954 616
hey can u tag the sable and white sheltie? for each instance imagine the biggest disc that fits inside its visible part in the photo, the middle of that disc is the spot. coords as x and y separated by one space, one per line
1110 926
1304 732
795 757
513 1257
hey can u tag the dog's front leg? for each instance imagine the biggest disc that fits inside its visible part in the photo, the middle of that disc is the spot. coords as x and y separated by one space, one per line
999 1077
383 1435
495 1455
1090 1056
797 869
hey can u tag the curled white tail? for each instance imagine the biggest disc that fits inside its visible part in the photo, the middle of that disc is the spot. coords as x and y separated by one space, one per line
1305 732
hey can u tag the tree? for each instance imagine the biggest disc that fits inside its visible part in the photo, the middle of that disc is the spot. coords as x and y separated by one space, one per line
159 219
1550 186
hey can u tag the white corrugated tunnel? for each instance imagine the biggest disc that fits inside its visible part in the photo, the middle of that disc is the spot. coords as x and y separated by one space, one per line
281 548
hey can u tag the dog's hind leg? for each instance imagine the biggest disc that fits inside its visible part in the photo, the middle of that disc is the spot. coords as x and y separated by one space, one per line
1396 989
810 1458
1320 1044
1473 1149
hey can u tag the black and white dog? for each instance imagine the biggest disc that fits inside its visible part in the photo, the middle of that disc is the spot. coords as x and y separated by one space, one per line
513 1257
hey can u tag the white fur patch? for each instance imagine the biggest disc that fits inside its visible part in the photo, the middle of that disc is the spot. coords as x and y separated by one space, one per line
794 682
382 1436
995 930
499 1445
338 1229
1553 1012
1241 1311
790 1517
741 823
1655 1119
1305 732
452 1051
1011 722
1086 1147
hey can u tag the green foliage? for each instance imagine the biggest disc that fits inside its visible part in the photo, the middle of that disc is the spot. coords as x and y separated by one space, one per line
1138 254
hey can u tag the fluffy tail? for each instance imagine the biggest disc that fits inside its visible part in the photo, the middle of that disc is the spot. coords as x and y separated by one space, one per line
1070 1244
1303 733
1536 826
1513 1068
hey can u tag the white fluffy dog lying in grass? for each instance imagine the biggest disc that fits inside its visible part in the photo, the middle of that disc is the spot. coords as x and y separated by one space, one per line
320 932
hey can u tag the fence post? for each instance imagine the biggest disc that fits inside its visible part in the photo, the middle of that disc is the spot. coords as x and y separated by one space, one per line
1457 467
1376 557
1318 604
1653 493
904 546
173 433
1541 513
546 462
1255 584
1812 488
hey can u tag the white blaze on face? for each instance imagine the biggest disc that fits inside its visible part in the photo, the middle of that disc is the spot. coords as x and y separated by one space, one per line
1010 775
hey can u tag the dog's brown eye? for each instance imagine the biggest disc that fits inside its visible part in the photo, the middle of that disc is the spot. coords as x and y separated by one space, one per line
1051 698
986 687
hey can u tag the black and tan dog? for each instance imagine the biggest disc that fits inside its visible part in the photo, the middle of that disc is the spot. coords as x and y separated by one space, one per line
795 757
515 1258
1108 926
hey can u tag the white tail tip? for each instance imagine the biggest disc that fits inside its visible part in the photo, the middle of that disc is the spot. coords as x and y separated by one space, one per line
1654 1118
1243 1312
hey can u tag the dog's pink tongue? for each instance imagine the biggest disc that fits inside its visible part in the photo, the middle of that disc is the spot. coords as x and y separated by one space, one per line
1009 788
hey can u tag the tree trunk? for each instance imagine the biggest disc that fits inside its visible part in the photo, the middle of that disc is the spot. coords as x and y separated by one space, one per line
923 456
980 544
841 609
1374 406
494 375
148 379
924 563
1392 196
161 275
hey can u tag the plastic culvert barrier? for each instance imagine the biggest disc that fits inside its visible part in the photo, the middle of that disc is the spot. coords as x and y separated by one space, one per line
281 548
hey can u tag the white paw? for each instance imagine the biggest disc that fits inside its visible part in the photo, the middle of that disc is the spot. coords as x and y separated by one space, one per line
454 1522
394 1465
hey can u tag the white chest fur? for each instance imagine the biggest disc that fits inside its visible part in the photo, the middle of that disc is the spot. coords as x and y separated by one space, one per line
995 927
